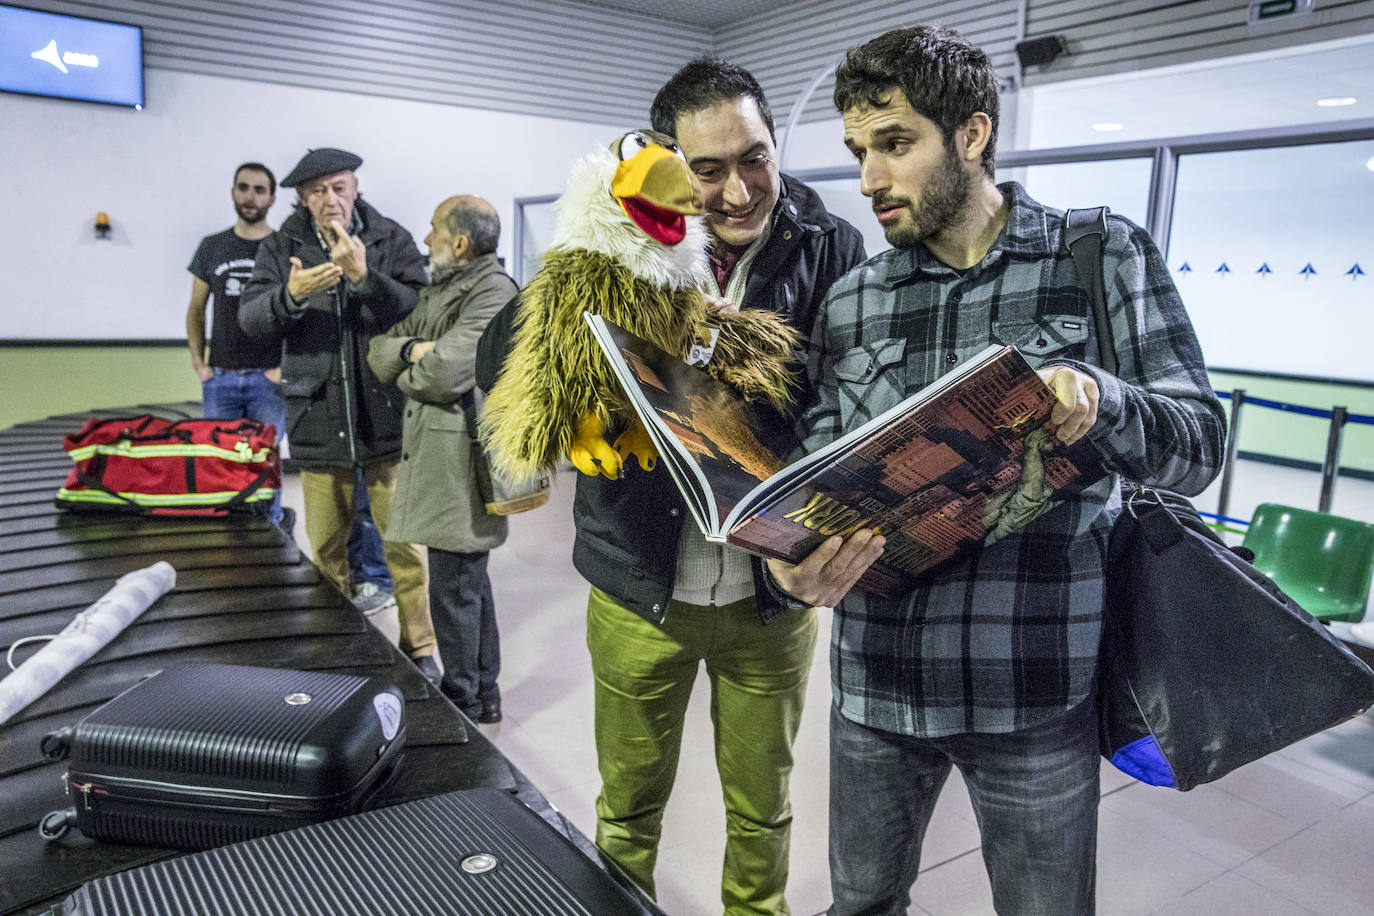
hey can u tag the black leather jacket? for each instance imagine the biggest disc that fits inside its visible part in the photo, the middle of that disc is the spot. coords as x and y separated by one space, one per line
628 530
338 413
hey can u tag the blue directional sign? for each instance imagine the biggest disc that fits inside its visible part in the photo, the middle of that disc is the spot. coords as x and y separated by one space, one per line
1185 269
70 57
1264 270
1223 269
1308 271
1355 273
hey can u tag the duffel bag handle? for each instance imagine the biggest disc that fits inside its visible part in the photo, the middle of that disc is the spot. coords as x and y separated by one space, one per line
244 430
172 431
95 483
241 497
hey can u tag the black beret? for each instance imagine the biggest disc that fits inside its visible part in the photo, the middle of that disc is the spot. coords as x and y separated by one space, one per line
320 162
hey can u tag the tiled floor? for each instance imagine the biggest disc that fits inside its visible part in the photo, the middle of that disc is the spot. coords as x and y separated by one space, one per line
1291 834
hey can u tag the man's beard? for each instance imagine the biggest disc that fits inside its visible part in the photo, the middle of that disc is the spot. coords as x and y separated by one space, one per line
250 214
439 260
943 198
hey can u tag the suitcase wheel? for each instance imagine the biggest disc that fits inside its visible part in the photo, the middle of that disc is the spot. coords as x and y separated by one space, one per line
55 824
56 745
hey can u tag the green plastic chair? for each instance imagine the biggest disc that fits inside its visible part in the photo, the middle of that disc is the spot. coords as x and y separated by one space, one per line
1323 561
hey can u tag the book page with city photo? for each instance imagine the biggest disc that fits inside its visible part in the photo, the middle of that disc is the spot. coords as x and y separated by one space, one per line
964 461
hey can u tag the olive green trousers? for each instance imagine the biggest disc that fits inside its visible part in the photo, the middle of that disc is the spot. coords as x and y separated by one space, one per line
644 674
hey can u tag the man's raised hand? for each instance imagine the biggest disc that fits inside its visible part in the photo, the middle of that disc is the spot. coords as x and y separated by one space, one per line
303 283
349 253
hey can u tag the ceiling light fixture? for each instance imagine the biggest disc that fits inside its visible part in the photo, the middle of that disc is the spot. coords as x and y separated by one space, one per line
1108 125
1336 101
1369 163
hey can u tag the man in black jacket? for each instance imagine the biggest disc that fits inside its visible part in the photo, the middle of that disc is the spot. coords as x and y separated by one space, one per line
336 274
663 600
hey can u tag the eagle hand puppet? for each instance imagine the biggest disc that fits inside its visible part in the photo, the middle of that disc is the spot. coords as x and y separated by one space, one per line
629 244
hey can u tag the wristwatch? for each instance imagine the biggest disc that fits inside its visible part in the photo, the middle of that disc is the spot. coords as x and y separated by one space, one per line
407 347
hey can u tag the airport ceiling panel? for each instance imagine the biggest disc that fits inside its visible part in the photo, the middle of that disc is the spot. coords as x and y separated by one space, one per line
788 51
707 14
1103 38
537 57
585 60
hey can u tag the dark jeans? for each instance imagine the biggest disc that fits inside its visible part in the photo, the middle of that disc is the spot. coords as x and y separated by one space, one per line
464 614
366 561
1035 793
245 394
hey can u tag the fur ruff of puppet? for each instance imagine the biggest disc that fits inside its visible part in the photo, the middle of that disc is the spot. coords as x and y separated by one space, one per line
555 378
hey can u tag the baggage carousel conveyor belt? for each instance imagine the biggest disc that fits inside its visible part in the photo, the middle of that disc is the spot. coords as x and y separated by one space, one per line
244 595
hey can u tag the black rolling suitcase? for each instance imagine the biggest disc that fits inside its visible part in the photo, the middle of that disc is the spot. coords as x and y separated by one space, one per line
474 853
200 755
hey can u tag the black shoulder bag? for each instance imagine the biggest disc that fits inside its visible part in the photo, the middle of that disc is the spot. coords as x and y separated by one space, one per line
1206 664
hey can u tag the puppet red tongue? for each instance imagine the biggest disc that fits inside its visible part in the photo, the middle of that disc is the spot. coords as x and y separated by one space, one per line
659 223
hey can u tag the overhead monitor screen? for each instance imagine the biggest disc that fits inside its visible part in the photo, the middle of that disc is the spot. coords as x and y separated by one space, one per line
70 58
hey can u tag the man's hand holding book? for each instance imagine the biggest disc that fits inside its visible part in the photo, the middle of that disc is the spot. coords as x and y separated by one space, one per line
831 570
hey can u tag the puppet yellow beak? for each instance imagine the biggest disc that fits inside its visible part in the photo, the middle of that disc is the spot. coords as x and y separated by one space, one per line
657 191
660 178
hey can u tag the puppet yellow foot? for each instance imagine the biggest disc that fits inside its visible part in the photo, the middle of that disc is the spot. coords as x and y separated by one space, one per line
590 453
635 441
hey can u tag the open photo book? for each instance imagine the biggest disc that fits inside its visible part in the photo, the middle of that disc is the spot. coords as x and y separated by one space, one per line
960 463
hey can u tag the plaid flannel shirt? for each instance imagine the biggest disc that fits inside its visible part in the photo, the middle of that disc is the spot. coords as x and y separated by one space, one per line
1007 638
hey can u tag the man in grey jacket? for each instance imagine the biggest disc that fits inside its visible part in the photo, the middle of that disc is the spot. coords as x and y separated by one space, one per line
431 357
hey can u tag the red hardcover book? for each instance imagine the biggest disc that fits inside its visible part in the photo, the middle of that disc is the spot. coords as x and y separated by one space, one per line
963 461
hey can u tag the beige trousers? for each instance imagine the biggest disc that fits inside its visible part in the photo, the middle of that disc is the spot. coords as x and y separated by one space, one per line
328 519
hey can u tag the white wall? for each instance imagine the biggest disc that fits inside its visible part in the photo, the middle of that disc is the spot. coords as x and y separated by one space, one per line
163 175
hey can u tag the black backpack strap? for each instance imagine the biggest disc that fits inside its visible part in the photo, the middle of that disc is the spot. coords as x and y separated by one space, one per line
1084 232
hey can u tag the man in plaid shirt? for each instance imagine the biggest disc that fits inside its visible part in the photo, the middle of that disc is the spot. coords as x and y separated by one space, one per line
988 664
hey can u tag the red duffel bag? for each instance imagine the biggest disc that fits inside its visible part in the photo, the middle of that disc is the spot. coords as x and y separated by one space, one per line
172 467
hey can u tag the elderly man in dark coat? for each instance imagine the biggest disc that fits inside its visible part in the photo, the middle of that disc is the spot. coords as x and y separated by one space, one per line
336 274
431 355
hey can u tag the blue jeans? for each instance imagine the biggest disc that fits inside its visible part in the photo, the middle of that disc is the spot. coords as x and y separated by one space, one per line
1035 794
366 559
464 615
246 394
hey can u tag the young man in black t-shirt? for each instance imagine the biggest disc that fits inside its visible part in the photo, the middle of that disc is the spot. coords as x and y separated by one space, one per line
243 374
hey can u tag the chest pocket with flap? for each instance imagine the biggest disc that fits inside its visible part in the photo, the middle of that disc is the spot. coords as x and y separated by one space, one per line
872 378
1061 336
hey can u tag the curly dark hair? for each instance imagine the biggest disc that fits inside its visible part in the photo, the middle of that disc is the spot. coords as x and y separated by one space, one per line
700 84
942 75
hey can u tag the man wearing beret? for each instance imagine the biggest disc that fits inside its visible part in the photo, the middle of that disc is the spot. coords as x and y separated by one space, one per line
336 274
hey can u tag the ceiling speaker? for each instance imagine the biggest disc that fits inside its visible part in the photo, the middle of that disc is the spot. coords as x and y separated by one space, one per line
1039 51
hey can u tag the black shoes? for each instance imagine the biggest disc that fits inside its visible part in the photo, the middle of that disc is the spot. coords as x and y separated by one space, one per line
429 668
488 713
